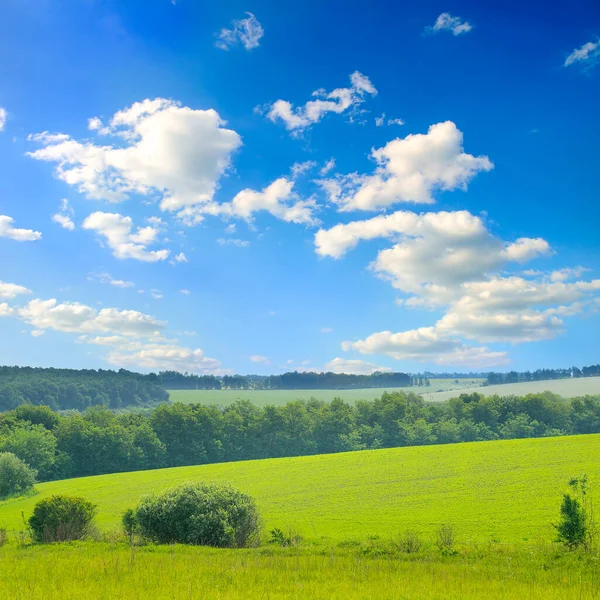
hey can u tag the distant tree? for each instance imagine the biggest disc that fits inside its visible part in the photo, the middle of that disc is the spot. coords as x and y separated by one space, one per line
16 478
34 445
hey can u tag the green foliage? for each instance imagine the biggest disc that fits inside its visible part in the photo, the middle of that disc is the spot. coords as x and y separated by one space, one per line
62 518
575 527
34 445
16 478
129 523
76 389
101 441
205 514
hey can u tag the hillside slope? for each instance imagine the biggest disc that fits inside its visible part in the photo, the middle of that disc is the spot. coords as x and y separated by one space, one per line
505 490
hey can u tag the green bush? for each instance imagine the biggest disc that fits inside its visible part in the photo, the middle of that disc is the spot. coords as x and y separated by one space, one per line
206 514
62 518
16 477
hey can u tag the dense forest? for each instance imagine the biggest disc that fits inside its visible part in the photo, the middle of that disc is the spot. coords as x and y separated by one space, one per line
542 375
77 389
172 380
99 440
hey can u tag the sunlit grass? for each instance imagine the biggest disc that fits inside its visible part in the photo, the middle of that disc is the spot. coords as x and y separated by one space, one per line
505 490
104 571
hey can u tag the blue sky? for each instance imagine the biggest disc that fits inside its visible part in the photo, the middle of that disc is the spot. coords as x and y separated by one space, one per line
256 187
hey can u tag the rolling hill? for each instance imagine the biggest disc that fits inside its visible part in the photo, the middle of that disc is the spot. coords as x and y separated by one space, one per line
505 490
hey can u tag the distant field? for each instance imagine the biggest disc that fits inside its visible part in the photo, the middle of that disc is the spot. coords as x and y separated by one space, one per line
264 397
568 388
506 490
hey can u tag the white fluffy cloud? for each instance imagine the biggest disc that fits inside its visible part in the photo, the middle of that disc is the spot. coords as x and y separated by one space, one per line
338 101
247 32
446 22
427 344
587 56
434 253
20 235
354 367
409 169
11 290
164 357
2 118
278 199
63 216
133 339
450 261
118 231
161 149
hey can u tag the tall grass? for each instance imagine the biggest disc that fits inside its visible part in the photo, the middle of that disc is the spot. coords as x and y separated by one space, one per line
116 571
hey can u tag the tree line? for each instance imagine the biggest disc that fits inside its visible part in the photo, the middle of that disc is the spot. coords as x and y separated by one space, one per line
172 380
98 440
542 375
77 389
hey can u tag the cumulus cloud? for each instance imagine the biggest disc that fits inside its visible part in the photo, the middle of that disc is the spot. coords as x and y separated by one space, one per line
161 149
427 344
63 216
409 169
2 118
587 55
354 367
8 291
247 32
20 235
120 236
278 199
132 338
450 261
446 22
338 101
181 258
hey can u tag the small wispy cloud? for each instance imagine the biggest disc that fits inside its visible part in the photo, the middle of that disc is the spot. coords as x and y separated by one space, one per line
247 32
446 22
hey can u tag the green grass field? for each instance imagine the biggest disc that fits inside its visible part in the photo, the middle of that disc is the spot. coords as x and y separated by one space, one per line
505 490
438 391
567 388
113 572
277 397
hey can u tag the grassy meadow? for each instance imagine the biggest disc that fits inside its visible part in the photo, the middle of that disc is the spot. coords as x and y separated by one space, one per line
277 397
115 572
506 491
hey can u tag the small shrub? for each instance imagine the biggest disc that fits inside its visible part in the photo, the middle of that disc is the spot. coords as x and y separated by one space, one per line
291 538
409 542
3 536
129 522
576 525
16 477
205 514
445 540
61 519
